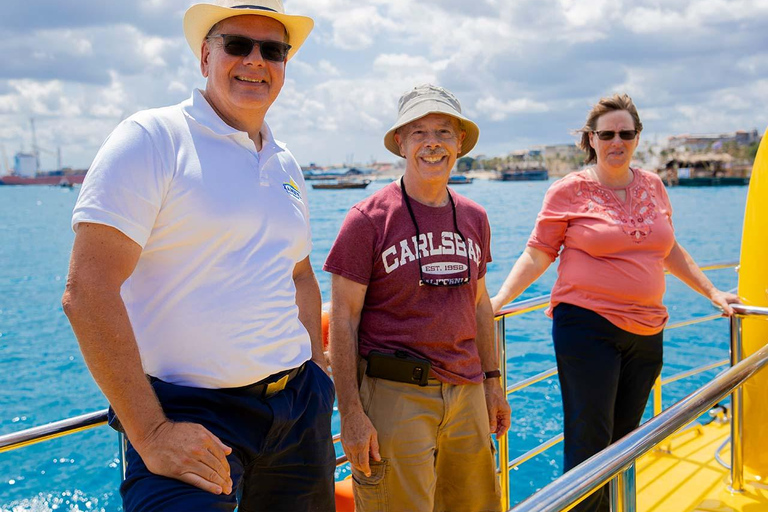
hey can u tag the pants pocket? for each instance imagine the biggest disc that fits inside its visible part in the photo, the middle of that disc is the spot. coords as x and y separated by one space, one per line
325 383
371 491
367 390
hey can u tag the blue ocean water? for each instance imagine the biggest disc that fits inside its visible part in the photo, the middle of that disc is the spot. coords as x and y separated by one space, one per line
43 377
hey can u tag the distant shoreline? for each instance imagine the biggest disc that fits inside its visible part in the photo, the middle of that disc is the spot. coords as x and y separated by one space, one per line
477 174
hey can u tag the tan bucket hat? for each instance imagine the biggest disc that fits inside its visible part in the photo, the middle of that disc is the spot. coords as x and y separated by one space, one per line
428 99
199 19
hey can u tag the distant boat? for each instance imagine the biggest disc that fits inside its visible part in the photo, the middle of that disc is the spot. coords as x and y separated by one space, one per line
534 174
337 173
26 169
459 179
714 181
704 170
63 180
339 184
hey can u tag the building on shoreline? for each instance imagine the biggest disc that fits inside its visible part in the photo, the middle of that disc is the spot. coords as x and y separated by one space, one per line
705 169
704 141
727 155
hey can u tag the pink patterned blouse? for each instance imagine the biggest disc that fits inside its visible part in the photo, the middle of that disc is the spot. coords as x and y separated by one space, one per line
612 258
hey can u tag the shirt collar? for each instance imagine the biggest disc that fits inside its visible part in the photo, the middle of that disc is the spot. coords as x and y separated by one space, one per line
198 109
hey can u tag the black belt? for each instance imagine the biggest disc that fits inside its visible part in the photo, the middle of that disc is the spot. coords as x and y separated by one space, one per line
266 387
270 385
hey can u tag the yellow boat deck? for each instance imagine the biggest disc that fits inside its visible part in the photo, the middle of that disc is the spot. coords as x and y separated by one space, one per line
682 475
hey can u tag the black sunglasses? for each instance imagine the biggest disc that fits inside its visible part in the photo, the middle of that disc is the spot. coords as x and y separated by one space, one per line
610 134
451 281
241 46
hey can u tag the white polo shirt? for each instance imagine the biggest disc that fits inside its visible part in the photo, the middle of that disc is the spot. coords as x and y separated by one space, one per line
221 226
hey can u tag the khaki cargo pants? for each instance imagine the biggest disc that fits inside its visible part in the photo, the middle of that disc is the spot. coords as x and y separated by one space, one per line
437 454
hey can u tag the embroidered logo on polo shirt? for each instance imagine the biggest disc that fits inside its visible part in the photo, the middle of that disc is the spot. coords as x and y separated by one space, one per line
293 189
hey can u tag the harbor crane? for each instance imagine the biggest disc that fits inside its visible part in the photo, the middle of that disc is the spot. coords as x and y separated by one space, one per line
36 150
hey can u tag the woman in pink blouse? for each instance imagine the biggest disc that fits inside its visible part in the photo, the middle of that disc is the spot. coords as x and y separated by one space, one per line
611 225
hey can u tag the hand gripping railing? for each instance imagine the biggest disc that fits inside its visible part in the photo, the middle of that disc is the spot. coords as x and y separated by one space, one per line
618 459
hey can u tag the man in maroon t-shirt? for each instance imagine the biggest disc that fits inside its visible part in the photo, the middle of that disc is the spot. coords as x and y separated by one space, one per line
412 327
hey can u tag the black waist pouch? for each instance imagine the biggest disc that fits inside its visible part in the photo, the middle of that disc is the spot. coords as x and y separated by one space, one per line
398 367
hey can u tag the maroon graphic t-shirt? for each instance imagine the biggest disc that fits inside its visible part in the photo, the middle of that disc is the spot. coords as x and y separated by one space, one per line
377 246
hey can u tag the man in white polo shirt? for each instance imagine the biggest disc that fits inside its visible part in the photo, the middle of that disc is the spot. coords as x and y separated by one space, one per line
191 291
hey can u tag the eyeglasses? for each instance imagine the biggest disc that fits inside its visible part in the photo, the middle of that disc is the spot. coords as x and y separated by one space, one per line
241 46
610 134
450 281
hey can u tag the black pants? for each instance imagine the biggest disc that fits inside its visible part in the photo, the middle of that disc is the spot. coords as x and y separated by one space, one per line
606 375
282 457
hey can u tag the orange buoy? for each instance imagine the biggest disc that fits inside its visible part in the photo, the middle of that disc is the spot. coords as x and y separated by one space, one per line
345 501
326 323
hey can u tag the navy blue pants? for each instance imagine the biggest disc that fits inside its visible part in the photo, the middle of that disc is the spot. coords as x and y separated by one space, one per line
606 375
282 450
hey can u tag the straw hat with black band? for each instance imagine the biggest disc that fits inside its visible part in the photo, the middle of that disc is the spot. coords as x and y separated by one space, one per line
199 19
427 99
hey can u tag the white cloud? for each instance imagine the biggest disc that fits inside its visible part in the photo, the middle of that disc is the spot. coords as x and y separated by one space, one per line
347 27
649 20
340 116
691 17
328 69
719 11
755 65
498 110
298 66
152 49
589 15
526 70
321 69
402 64
110 102
81 45
43 98
176 87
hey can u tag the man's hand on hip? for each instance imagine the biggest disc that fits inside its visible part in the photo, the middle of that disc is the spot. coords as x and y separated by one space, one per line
360 441
499 411
187 452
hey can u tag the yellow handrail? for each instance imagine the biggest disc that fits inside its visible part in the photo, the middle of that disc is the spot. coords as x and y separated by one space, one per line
542 302
65 427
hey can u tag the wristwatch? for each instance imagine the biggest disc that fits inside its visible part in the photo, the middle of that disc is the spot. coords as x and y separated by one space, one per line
493 374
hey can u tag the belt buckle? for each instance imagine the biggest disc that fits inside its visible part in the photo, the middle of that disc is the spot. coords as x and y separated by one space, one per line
278 385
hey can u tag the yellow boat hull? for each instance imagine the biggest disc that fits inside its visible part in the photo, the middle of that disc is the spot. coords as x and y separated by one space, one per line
753 288
683 475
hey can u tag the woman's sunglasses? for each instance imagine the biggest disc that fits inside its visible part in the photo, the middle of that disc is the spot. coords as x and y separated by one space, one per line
610 134
241 46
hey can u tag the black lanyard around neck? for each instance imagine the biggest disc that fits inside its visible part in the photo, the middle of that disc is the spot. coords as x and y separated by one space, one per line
423 281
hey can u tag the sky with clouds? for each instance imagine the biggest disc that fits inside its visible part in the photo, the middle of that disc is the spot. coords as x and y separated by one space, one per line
526 71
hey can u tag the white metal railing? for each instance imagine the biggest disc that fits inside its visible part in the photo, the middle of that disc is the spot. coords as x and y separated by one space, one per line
541 302
618 459
98 418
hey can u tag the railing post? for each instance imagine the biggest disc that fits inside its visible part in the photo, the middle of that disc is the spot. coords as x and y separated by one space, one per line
657 406
501 351
623 491
123 447
737 453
